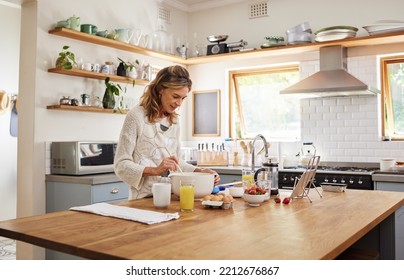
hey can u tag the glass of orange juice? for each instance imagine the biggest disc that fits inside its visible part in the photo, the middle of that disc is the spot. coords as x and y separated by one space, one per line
247 178
187 195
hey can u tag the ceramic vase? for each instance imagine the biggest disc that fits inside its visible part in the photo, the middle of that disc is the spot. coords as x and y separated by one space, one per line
108 101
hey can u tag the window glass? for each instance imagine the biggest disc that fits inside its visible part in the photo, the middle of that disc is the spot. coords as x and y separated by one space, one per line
393 98
259 108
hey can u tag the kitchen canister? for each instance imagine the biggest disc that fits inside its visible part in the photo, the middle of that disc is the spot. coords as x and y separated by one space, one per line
387 164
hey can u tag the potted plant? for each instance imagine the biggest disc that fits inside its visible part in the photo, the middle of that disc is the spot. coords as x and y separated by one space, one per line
66 59
111 90
126 68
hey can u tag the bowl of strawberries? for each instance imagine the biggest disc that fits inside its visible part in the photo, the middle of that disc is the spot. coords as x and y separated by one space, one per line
254 196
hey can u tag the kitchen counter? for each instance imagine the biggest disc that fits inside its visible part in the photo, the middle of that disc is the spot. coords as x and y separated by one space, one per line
388 176
299 230
93 179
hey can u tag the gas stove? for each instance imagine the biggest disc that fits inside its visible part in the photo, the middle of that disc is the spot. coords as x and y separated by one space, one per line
354 175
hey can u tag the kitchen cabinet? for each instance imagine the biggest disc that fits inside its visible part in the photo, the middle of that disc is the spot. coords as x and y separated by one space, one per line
64 192
380 39
394 183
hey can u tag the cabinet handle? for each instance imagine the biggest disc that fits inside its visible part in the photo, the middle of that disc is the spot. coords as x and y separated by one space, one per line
115 190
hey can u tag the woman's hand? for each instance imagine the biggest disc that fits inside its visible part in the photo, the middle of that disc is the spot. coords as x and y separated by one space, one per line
167 164
207 170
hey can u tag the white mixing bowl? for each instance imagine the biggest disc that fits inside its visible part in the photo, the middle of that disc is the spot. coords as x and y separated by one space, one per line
203 182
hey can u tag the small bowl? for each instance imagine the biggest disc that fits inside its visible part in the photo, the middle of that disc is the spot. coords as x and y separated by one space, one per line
236 191
253 199
217 38
102 33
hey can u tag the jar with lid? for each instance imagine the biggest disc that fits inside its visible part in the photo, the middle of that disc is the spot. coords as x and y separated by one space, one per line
111 67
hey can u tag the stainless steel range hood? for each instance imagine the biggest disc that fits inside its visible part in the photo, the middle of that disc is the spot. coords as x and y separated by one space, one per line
333 78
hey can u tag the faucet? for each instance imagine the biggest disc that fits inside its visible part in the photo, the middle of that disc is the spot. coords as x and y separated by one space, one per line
253 150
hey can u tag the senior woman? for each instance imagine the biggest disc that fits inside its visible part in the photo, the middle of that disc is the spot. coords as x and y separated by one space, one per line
149 143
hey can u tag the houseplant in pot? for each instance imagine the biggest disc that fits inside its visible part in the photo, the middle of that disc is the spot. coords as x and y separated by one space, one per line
128 69
66 59
111 90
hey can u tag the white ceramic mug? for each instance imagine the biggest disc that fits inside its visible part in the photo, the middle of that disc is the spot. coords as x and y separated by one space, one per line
87 66
161 194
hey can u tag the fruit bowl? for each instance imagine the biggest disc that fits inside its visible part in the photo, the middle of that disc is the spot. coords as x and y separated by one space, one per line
254 199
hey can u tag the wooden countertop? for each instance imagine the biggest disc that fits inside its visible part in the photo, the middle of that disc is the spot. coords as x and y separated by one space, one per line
301 230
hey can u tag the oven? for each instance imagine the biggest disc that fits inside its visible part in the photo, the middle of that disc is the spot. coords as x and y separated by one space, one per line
355 176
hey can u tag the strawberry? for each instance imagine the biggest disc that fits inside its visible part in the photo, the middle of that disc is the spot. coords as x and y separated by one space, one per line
277 200
286 200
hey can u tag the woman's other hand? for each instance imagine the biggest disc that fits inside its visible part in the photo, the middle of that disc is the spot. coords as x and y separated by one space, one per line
207 170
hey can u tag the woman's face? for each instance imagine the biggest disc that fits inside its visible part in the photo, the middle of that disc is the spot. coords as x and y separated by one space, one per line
171 99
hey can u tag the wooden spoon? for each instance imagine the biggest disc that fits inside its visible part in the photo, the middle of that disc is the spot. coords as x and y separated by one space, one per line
243 146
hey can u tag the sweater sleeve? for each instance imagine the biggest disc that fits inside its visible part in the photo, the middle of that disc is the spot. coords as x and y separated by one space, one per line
125 167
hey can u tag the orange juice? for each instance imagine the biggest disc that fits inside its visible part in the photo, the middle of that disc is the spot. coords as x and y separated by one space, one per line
187 197
248 180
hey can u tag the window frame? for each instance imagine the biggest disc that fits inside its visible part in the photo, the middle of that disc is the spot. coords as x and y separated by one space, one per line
234 92
387 117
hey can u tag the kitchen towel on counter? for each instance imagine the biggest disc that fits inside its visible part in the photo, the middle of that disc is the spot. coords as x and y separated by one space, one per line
127 213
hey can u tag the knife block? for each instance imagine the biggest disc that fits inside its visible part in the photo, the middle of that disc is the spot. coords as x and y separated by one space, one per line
210 158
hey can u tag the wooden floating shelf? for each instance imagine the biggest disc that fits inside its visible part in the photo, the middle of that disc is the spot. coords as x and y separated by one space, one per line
380 39
96 75
86 109
77 35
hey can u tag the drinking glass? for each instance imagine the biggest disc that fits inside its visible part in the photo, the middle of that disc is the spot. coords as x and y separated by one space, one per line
247 178
187 195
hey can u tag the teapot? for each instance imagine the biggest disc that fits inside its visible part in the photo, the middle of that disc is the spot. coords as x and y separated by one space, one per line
74 23
307 152
268 176
124 34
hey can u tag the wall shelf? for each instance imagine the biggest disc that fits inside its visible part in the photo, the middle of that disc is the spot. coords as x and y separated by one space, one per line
380 39
81 36
86 109
96 75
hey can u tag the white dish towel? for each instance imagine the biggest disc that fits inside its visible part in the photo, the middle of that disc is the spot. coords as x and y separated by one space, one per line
127 213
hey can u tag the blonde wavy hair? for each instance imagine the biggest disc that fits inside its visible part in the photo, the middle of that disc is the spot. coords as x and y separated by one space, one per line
172 77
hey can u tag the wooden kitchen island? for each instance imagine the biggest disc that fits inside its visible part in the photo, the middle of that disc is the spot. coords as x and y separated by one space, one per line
300 230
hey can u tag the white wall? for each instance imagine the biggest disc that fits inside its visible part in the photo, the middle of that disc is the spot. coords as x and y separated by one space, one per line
284 14
10 16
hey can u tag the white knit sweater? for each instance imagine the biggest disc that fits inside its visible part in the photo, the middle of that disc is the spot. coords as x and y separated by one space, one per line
142 144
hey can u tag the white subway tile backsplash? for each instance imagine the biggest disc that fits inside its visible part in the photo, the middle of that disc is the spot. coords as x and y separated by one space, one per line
346 128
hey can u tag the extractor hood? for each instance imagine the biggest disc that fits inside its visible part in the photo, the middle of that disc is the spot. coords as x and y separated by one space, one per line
333 78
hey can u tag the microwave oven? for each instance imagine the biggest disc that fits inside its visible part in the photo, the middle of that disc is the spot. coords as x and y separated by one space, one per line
81 158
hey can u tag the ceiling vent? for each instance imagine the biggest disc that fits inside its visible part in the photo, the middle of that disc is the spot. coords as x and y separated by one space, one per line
333 78
258 9
164 15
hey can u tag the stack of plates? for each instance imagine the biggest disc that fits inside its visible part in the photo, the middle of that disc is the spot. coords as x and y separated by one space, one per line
335 33
384 26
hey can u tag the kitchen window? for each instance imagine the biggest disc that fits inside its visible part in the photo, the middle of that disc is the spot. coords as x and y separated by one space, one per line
257 107
392 77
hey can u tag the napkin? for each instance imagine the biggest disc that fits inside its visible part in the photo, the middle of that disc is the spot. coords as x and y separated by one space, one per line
127 213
